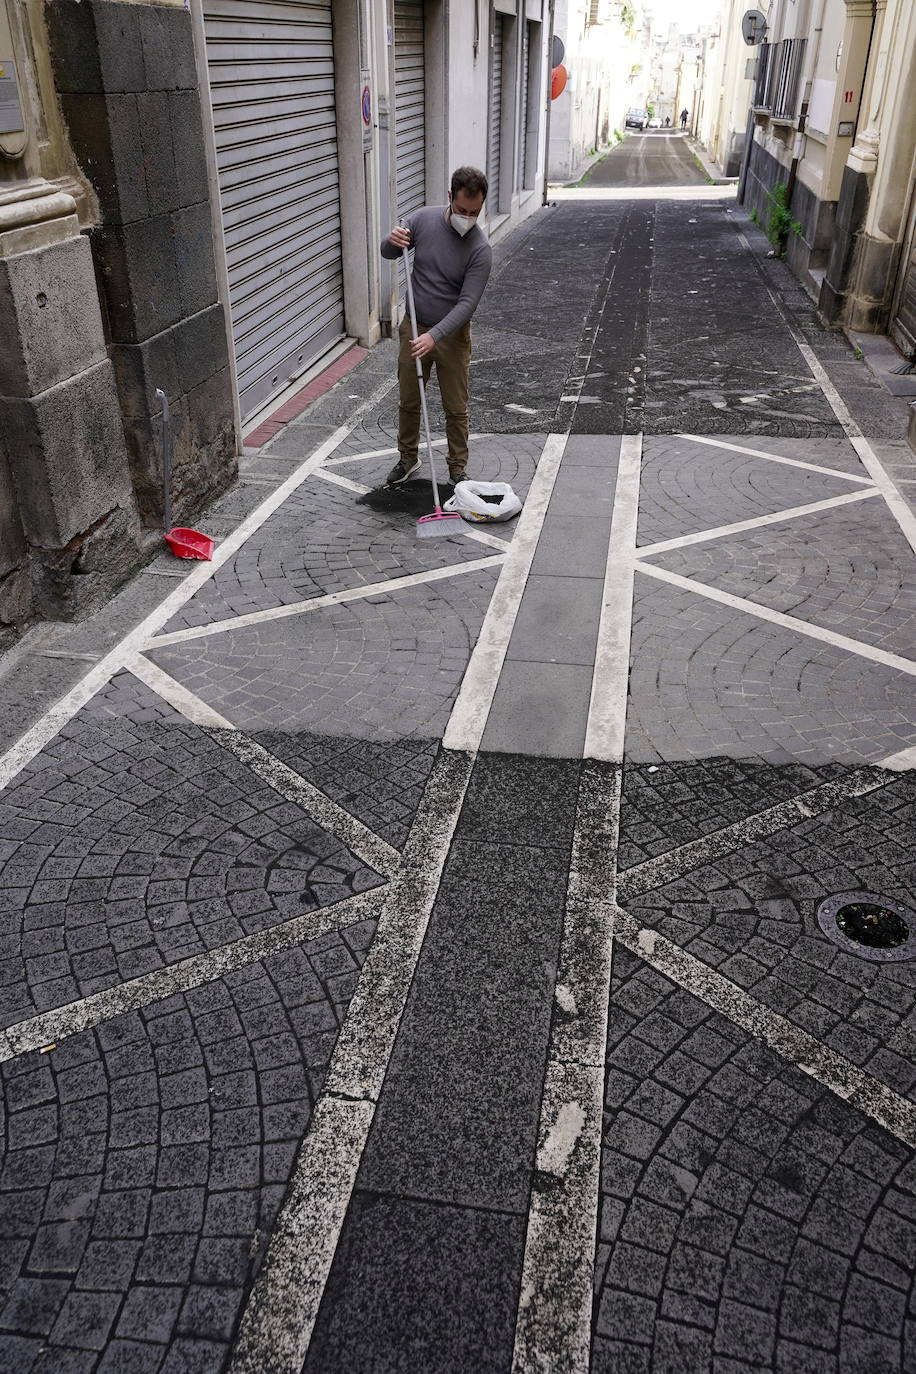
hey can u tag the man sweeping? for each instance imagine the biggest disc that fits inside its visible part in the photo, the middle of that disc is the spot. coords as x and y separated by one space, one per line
451 266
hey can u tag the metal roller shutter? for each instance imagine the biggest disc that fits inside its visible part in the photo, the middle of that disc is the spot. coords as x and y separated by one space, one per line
410 104
271 70
496 103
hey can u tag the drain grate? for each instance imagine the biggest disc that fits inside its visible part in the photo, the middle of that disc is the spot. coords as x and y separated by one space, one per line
869 926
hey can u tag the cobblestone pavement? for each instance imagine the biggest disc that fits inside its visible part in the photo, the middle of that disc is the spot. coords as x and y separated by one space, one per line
338 1034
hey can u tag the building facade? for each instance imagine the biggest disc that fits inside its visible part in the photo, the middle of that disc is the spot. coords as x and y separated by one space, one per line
607 56
191 202
835 122
726 91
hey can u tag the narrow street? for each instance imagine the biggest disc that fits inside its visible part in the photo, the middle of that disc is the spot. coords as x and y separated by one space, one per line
412 958
655 157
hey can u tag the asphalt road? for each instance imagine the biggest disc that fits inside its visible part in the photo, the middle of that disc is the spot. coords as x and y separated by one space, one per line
656 157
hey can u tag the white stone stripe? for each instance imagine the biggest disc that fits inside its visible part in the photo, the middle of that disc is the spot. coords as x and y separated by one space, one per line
553 1325
607 708
896 504
278 1321
786 622
177 696
53 720
50 1027
472 707
361 841
875 1100
901 762
777 458
467 530
706 850
742 526
390 452
318 603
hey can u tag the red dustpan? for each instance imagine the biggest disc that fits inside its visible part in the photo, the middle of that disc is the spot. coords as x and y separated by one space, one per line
189 543
184 543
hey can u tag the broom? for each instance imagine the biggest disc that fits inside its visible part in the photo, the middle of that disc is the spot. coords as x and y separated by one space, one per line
439 523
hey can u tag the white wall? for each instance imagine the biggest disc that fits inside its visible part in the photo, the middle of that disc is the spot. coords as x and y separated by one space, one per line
601 87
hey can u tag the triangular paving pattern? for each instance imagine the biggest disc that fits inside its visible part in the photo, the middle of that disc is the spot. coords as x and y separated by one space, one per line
848 569
687 486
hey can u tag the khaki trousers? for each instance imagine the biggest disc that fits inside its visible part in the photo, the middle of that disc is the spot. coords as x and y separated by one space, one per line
452 359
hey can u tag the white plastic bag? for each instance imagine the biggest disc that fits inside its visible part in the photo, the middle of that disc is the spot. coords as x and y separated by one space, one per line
469 503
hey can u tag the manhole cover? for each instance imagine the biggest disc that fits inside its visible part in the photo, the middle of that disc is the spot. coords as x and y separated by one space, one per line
869 926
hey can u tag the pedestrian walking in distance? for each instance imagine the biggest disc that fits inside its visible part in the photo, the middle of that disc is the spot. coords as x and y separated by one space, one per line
683 119
451 267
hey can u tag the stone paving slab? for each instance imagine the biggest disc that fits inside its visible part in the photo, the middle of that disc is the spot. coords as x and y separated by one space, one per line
421 1286
384 668
849 570
144 1165
127 846
706 682
749 1219
458 1118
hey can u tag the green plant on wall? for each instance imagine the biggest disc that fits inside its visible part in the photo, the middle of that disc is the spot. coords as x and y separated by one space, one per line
781 222
628 19
650 111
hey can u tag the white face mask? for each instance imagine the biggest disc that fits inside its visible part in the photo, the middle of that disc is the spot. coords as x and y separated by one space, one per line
462 224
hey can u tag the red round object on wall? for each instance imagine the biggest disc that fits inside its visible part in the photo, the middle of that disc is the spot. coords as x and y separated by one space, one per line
558 79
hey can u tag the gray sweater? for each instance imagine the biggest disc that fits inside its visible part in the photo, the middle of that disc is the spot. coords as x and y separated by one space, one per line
449 272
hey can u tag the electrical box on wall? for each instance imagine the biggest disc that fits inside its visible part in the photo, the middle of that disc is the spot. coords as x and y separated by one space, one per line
11 121
13 135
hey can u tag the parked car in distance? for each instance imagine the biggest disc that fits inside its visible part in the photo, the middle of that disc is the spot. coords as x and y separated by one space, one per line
654 123
636 119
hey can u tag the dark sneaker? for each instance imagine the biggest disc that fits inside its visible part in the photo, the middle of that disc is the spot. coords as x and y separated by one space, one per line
401 471
456 475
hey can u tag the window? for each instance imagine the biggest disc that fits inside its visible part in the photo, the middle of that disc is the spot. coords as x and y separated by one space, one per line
787 77
779 67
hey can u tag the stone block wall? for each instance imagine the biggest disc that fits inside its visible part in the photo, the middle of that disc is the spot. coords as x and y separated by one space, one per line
127 84
850 216
68 523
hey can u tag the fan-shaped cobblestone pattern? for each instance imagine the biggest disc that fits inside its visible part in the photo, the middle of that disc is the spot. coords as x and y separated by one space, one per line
381 784
385 668
707 682
749 1219
144 1165
494 458
668 805
752 916
124 848
687 487
849 570
327 542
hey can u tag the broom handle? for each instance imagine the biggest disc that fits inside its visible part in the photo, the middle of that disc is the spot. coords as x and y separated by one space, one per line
425 412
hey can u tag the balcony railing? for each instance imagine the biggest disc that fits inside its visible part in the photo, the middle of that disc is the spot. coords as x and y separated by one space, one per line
788 78
779 67
764 57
